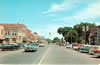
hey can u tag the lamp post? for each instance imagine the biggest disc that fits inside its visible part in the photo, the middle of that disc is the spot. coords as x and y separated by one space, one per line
50 36
85 29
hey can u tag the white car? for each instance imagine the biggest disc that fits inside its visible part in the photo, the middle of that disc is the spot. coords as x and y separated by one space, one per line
75 47
41 45
69 46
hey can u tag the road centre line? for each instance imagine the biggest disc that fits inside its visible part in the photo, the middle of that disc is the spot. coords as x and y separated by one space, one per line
43 57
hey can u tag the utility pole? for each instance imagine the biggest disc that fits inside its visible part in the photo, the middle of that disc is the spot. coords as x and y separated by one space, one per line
50 36
97 35
85 29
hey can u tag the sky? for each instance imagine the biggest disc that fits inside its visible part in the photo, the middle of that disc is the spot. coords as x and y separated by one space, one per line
45 16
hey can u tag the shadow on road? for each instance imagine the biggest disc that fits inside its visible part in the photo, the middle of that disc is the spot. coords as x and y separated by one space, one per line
95 57
28 51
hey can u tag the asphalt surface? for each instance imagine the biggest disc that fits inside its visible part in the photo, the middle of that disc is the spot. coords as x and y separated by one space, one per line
50 54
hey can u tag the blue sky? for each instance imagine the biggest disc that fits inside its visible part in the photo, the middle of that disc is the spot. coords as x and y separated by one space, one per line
44 16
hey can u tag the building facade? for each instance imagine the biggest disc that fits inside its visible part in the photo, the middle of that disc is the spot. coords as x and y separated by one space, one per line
95 35
14 33
1 34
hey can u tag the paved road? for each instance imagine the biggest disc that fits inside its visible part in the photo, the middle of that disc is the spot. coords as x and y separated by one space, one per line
51 54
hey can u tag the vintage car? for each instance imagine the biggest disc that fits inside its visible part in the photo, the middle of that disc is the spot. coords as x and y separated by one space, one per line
91 49
41 45
9 47
85 48
21 45
69 46
30 47
96 51
76 46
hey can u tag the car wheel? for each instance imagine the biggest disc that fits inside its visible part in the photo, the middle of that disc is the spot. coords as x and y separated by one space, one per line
25 51
98 56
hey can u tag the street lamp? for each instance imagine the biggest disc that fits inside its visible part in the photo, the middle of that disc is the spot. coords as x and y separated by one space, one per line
85 29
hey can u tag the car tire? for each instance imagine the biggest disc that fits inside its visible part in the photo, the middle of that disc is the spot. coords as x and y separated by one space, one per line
25 51
98 56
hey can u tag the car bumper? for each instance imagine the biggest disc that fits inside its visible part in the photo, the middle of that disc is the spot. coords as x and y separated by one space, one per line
30 49
84 51
97 54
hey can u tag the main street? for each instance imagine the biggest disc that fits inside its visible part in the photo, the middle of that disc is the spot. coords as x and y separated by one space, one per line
50 54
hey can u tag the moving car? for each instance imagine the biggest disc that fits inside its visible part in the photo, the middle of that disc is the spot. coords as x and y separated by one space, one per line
69 46
96 51
30 47
85 48
41 45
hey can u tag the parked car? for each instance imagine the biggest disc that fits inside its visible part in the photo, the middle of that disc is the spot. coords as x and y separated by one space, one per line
76 46
96 51
30 47
85 48
69 46
41 45
21 45
8 47
91 49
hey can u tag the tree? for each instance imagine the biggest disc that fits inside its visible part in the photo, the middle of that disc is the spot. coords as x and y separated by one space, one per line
75 34
78 28
48 40
71 36
56 40
64 30
69 33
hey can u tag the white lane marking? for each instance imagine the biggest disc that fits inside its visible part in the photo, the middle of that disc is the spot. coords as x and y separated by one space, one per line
43 57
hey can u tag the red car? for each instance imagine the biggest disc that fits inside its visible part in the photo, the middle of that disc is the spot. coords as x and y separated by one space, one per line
97 51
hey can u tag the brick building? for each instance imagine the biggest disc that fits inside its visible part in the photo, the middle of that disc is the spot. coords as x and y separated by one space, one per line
14 33
1 34
95 35
31 37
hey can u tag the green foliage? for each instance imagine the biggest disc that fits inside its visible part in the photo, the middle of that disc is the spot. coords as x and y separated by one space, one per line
64 30
75 34
78 28
56 39
49 40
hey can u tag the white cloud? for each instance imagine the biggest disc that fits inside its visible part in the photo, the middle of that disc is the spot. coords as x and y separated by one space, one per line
65 5
89 13
50 28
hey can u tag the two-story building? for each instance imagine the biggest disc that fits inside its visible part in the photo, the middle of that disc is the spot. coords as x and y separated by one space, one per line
2 34
15 33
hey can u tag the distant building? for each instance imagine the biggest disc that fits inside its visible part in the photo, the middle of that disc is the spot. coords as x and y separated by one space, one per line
41 40
15 33
35 37
30 36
